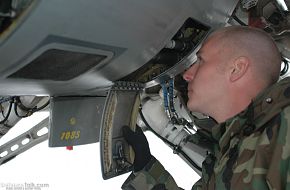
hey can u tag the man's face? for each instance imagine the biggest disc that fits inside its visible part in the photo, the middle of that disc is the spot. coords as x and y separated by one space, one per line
206 77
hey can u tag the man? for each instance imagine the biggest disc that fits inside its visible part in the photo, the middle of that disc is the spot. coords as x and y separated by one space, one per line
234 82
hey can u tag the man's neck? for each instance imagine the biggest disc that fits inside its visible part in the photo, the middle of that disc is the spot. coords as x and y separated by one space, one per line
231 106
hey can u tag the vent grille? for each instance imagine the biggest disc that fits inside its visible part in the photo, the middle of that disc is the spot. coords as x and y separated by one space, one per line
58 65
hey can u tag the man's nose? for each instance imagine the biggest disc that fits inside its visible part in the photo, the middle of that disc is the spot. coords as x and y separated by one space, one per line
188 75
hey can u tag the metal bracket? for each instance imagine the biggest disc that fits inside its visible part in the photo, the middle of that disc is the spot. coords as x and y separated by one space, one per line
24 141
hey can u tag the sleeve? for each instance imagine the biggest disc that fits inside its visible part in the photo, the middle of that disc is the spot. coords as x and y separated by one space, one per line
151 177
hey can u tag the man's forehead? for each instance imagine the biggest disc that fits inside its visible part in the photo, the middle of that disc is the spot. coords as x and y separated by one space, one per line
209 46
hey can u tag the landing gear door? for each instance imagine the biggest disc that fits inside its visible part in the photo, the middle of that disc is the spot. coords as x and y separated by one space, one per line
121 108
75 120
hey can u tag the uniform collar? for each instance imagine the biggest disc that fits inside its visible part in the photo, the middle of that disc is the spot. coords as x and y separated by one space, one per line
264 107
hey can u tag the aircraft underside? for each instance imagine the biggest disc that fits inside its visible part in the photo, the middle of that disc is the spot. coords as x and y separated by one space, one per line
99 65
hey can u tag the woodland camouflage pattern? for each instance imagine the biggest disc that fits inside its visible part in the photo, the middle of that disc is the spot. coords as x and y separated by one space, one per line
249 151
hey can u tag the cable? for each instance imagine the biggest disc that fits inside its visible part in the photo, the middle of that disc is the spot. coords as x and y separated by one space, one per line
238 20
42 107
17 114
285 68
3 100
175 148
29 111
8 113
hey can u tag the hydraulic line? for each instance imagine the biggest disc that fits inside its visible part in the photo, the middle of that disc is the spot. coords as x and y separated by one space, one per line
171 97
176 148
165 98
168 97
171 104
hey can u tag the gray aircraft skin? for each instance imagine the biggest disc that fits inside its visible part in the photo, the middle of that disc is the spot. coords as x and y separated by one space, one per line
70 47
70 53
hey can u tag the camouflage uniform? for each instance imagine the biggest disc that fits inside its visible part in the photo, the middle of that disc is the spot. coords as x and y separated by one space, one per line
249 151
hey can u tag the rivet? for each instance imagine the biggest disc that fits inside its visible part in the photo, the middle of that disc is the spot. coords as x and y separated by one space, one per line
269 100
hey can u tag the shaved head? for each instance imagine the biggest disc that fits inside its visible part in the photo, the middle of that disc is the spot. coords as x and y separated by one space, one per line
234 65
255 44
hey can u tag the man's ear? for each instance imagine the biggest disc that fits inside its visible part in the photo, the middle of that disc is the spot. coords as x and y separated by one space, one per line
239 68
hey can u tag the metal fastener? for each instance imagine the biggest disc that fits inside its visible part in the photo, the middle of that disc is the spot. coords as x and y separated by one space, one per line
269 100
